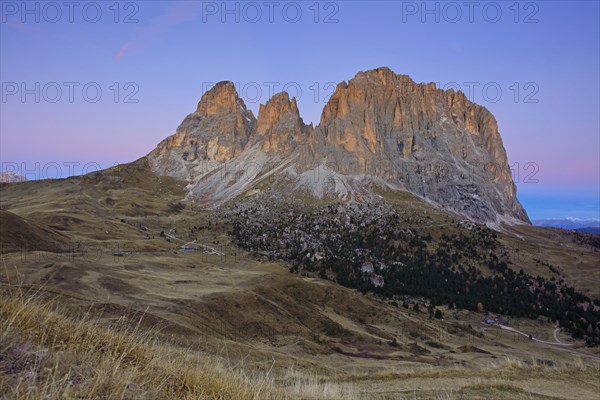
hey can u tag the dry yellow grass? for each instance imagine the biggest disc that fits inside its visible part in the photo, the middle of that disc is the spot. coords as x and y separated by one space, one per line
265 333
47 354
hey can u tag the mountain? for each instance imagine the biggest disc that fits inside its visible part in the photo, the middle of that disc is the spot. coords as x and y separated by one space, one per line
217 131
378 130
568 223
594 230
11 177
386 291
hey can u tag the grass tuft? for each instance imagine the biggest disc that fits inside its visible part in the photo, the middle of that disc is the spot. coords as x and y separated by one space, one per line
45 354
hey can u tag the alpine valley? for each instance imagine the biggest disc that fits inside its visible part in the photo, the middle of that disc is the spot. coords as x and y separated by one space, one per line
381 254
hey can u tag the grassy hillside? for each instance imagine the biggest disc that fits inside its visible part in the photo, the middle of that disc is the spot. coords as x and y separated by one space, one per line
152 299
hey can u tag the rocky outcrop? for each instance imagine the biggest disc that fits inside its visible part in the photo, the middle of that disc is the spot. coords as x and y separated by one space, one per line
433 143
11 177
216 132
280 128
379 128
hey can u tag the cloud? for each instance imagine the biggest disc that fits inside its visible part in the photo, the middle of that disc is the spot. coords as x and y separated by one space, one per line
21 26
179 12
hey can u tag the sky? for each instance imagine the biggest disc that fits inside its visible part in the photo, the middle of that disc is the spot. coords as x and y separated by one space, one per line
87 85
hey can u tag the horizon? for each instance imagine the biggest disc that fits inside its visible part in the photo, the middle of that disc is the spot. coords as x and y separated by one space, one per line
539 67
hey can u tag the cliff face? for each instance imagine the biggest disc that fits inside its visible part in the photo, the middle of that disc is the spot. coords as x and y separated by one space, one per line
380 128
279 126
216 132
435 144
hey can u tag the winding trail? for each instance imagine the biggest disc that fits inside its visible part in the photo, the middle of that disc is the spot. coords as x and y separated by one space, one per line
144 228
558 345
556 337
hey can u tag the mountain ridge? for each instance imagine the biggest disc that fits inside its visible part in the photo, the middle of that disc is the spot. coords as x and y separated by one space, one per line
568 223
379 128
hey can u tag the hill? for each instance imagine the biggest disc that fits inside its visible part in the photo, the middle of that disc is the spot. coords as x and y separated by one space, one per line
174 280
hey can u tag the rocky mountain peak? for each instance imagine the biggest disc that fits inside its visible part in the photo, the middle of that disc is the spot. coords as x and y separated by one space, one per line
279 124
278 108
217 131
378 128
219 100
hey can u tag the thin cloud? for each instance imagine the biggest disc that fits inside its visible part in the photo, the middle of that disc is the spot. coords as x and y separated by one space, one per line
178 13
20 26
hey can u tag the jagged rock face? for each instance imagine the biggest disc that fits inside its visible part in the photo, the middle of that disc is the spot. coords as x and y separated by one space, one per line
216 132
435 144
379 128
280 127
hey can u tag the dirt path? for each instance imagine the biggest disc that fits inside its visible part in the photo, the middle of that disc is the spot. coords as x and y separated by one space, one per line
184 245
557 345
556 337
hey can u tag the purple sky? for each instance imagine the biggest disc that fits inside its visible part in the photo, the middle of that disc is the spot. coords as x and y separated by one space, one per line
542 56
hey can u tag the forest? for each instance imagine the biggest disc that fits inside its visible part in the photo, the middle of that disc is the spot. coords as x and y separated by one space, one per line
373 248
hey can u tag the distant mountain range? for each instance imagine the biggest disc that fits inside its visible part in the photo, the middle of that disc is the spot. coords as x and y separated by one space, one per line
582 225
